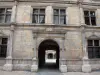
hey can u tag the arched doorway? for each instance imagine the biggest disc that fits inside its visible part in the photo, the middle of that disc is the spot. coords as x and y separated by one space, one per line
48 55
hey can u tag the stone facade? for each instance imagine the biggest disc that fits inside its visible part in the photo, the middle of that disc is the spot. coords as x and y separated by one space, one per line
24 37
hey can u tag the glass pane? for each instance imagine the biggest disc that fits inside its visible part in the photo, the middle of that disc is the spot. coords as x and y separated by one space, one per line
9 10
4 40
97 52
56 11
8 18
35 11
56 19
87 21
2 10
90 42
90 52
62 11
42 19
62 20
96 42
86 13
92 13
3 51
42 11
2 18
93 21
35 19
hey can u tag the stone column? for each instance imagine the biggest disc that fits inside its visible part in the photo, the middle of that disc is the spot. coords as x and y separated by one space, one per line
63 66
49 15
86 67
8 66
34 66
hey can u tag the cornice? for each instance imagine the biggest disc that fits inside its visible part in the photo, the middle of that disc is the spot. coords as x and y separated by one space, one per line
56 1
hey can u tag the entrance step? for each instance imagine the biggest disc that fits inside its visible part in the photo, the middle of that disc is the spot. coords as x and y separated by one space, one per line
49 72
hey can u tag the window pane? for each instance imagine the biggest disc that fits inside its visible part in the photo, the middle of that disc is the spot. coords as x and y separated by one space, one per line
62 20
2 10
97 52
56 19
3 50
93 20
8 18
42 11
35 11
92 13
8 11
41 19
86 13
87 21
56 11
90 42
2 18
96 42
35 19
90 52
4 40
62 11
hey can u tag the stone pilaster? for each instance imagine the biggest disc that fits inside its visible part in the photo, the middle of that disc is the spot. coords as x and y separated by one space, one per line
86 67
49 15
34 66
63 66
9 66
14 11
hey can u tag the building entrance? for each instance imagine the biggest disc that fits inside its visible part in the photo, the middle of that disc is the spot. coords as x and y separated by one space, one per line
48 55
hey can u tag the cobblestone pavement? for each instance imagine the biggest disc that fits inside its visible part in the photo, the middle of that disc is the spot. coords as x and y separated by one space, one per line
46 72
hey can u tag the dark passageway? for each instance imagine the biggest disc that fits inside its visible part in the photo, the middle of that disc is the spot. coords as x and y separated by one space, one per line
44 46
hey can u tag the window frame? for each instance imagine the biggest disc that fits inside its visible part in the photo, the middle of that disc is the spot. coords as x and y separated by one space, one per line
39 14
5 14
89 10
4 45
95 57
59 15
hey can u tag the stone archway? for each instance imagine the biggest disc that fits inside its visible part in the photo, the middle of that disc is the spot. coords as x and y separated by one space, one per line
45 61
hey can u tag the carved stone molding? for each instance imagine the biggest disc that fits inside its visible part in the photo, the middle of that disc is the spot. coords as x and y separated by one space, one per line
2 34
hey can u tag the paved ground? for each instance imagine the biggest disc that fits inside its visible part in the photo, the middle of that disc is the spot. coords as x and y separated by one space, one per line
46 72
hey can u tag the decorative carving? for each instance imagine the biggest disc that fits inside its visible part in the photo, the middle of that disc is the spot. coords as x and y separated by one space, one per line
94 37
49 29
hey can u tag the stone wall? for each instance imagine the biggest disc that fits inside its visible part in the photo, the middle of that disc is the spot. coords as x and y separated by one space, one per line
71 49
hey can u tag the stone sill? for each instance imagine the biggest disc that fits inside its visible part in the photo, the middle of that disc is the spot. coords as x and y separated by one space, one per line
95 59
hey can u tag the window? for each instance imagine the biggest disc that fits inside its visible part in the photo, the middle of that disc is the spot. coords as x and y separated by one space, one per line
38 16
3 47
59 16
5 15
90 18
94 48
50 56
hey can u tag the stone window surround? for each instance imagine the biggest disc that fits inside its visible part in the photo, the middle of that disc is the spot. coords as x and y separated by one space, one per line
94 46
11 7
39 8
90 8
59 14
89 14
7 46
